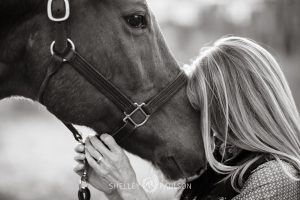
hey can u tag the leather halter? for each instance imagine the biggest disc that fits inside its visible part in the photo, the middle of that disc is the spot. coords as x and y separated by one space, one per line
63 51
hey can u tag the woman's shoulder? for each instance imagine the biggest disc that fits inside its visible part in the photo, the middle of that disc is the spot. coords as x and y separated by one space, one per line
270 181
274 170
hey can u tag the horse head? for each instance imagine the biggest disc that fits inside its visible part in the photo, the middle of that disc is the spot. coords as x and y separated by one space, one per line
122 39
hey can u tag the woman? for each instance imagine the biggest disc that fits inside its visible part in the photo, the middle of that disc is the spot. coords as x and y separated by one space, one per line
246 103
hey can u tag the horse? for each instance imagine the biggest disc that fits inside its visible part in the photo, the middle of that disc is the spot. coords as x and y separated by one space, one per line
122 39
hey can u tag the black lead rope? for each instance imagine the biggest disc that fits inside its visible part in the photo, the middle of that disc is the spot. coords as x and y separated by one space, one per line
84 192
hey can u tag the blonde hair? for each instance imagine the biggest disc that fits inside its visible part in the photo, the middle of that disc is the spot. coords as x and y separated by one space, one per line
245 100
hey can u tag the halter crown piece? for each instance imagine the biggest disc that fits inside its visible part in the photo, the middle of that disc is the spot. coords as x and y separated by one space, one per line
62 50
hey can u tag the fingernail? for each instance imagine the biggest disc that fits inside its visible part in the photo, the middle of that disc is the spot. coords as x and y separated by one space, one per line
104 136
81 148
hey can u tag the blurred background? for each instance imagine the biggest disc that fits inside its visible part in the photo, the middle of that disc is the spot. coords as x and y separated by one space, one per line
36 151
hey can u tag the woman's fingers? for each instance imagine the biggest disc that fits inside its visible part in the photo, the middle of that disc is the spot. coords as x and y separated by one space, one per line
79 148
110 142
94 164
78 168
99 146
93 152
79 157
79 173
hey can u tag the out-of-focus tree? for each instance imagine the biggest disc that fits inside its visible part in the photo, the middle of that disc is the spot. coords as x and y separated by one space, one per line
279 24
274 22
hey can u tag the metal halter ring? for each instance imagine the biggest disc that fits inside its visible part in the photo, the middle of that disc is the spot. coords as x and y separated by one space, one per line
69 42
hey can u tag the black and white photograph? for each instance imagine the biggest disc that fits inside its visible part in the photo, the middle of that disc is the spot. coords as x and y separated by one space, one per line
149 100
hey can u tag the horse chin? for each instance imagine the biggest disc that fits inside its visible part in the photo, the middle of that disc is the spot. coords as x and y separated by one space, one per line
167 181
192 178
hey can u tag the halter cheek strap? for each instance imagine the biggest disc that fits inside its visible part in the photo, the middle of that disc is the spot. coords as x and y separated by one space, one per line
59 12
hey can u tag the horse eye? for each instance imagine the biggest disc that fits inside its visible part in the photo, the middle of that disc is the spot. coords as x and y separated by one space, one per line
136 21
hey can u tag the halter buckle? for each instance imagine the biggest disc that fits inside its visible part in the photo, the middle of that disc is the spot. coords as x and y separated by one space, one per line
128 117
58 19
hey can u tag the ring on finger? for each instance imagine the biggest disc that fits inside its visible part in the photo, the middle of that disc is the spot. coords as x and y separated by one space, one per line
99 159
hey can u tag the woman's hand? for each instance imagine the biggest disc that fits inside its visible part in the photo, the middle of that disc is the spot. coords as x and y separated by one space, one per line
109 168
